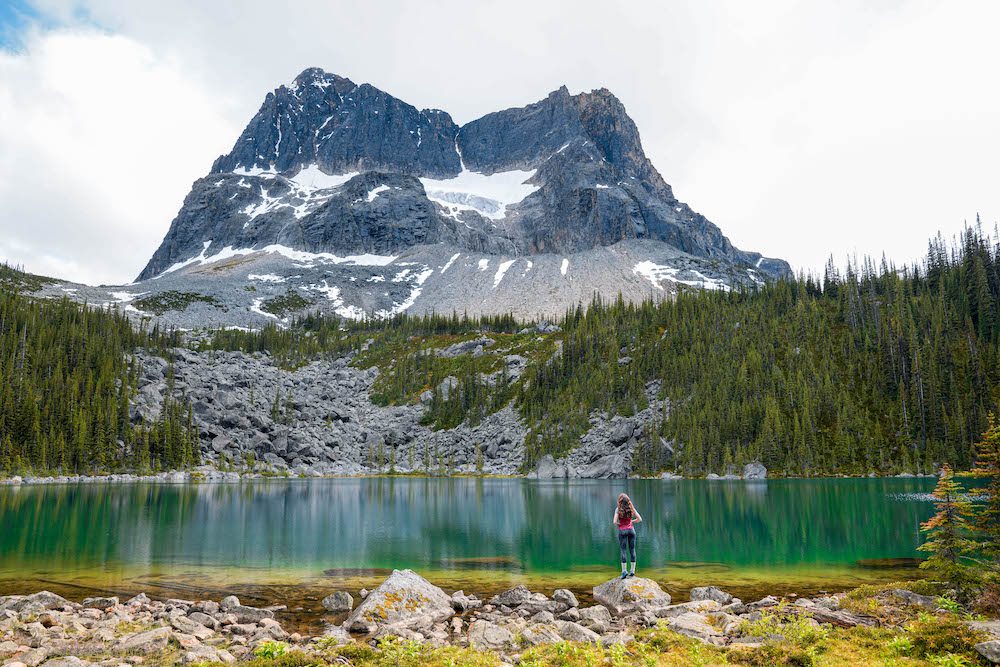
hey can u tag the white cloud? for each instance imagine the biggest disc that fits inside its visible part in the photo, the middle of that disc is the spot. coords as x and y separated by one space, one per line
801 129
100 142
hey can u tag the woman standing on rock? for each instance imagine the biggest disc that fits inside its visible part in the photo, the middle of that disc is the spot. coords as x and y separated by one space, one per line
625 516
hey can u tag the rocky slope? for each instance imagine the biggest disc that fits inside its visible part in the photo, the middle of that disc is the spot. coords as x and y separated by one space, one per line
359 204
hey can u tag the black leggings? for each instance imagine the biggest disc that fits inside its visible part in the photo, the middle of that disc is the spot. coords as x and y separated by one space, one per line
626 542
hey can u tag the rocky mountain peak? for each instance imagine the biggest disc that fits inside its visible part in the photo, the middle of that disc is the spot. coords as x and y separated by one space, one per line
333 168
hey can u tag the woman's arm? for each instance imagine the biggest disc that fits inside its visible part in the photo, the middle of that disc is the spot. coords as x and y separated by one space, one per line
636 518
614 519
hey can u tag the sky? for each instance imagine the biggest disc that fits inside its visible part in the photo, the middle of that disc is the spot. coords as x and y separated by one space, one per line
802 129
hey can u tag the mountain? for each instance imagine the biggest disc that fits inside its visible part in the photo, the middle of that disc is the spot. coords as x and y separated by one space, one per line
352 201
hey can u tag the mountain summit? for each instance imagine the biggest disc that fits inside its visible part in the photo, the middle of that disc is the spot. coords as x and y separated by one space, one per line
352 176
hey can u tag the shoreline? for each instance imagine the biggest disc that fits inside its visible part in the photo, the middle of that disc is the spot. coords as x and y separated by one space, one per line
633 616
204 475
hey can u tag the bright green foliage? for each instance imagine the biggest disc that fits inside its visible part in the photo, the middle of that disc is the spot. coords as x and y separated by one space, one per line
948 535
66 375
988 467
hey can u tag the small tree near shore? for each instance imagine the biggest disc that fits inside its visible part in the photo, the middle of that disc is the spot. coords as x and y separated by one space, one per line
948 536
988 516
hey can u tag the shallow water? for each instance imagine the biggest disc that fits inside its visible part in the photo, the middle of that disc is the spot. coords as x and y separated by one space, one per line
293 541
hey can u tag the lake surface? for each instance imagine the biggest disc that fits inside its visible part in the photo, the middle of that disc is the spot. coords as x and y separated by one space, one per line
293 541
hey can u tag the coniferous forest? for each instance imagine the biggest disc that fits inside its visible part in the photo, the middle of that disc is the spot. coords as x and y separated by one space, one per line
871 367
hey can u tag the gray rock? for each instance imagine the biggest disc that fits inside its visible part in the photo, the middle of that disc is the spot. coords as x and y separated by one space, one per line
574 632
338 601
566 597
249 614
404 599
100 603
541 633
150 641
189 626
990 650
633 594
206 607
543 617
141 598
199 654
754 470
710 593
694 625
597 613
512 597
910 597
229 602
487 636
612 466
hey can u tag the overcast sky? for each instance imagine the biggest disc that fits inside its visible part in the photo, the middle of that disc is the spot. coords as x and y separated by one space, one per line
800 128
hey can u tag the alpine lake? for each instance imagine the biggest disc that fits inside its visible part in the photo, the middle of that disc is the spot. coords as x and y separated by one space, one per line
293 541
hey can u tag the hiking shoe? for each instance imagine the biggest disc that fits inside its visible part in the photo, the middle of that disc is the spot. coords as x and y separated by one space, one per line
631 574
624 575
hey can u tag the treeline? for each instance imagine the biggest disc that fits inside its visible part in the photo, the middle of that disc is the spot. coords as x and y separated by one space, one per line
66 376
876 368
873 367
869 368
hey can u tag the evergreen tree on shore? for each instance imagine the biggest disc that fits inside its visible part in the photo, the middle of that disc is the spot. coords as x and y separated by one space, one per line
988 468
948 536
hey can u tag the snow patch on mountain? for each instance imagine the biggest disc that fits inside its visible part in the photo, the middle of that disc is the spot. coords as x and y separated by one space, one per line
501 270
656 274
488 195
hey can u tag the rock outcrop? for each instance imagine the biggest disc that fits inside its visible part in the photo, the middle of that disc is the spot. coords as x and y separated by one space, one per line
404 600
621 596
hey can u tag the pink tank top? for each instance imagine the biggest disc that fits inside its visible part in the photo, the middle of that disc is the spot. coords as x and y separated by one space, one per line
624 524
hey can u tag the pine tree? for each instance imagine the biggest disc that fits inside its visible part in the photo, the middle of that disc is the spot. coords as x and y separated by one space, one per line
988 468
948 534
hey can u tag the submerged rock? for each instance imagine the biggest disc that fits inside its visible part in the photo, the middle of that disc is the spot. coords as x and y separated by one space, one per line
338 601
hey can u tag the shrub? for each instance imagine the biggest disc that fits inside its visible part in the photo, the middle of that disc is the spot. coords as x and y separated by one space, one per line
934 637
770 654
989 602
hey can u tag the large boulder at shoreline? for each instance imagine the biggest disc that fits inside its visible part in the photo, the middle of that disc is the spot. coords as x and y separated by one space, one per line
754 471
405 599
622 596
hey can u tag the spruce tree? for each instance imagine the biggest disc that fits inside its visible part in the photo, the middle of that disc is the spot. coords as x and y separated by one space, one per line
948 538
988 468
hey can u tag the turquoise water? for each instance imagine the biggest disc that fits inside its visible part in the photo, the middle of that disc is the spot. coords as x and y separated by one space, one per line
292 539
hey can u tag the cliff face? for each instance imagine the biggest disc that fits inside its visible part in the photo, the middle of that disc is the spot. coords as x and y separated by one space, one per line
328 166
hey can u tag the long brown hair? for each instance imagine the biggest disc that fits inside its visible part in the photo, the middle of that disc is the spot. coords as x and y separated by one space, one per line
625 509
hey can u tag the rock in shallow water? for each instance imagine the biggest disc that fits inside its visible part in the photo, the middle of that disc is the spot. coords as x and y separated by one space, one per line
338 601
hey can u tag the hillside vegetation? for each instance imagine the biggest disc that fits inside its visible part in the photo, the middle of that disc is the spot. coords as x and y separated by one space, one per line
872 368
